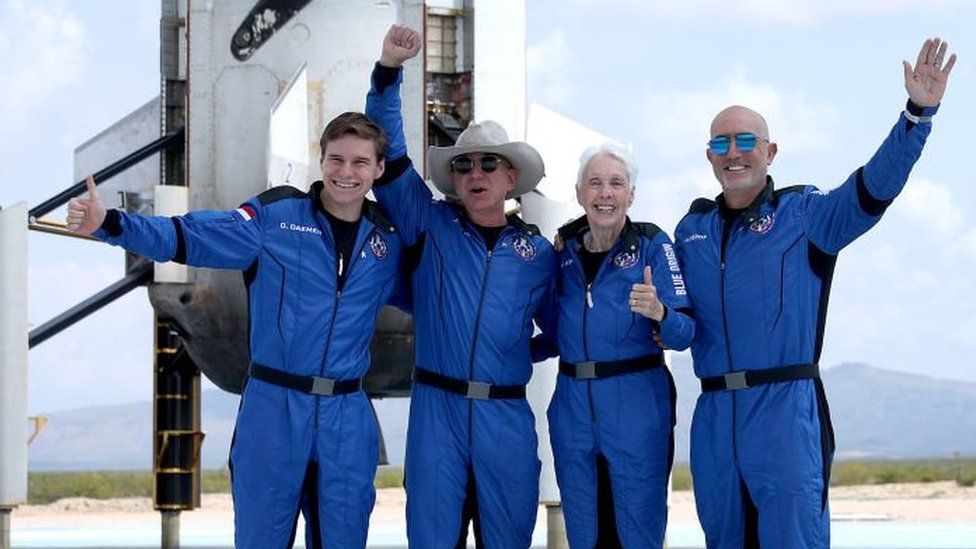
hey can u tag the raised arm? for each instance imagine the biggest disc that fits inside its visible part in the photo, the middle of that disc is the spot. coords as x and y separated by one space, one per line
401 190
834 219
216 239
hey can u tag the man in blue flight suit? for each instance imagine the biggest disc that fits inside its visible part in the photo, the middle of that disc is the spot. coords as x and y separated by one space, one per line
480 281
319 266
758 262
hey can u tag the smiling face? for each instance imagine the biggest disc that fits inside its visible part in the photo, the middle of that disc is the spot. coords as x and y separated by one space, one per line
349 167
742 174
605 192
483 194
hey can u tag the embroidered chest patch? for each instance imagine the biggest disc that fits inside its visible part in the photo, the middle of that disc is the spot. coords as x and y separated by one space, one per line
625 260
524 247
377 245
763 224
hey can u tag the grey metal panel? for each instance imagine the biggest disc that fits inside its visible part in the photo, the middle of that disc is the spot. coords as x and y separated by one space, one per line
230 100
499 64
13 355
243 97
136 130
288 151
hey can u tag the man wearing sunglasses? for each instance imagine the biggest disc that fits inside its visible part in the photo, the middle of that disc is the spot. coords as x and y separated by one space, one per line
481 279
758 263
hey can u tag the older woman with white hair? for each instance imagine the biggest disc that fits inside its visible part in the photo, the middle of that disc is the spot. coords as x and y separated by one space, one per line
611 419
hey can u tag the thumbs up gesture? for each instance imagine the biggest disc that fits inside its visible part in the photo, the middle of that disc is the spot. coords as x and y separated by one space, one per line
85 215
643 298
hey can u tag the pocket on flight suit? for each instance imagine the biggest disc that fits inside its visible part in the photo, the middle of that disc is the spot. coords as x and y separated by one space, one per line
780 281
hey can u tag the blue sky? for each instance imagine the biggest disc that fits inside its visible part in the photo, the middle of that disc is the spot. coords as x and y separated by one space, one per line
647 72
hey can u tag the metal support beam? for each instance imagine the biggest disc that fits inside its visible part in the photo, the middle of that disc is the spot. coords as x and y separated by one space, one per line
169 140
54 227
176 380
139 277
170 523
555 528
177 438
13 364
5 528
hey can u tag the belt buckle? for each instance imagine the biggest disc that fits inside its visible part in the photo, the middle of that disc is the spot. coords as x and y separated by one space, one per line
735 381
323 386
585 370
478 390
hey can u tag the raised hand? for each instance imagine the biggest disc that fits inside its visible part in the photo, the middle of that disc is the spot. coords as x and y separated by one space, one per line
926 82
85 215
644 300
401 43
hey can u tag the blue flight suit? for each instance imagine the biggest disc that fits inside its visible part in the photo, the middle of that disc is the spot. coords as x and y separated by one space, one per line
301 323
759 283
626 418
473 317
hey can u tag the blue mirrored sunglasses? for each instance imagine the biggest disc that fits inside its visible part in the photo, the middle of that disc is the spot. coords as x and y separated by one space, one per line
745 142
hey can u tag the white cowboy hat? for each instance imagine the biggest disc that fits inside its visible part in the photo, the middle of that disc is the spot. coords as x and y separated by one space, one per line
487 137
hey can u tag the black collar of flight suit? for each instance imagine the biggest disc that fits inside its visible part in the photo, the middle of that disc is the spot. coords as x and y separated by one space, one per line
629 235
751 212
372 211
511 220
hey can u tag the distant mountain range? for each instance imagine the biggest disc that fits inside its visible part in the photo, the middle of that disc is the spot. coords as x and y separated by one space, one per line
877 414
120 436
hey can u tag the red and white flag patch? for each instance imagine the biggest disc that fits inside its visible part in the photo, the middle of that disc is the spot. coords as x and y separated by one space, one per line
246 212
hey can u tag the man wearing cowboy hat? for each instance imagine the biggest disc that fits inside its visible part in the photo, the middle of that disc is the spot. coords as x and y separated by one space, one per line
481 279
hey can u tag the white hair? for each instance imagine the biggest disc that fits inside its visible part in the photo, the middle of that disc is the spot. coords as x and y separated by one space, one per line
614 151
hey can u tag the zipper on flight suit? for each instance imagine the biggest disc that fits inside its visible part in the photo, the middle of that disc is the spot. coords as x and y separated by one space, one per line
340 285
477 320
588 304
726 234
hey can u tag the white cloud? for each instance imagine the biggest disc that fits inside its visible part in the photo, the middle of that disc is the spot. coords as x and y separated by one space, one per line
664 198
547 63
680 131
931 205
45 50
875 255
769 12
963 332
967 243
